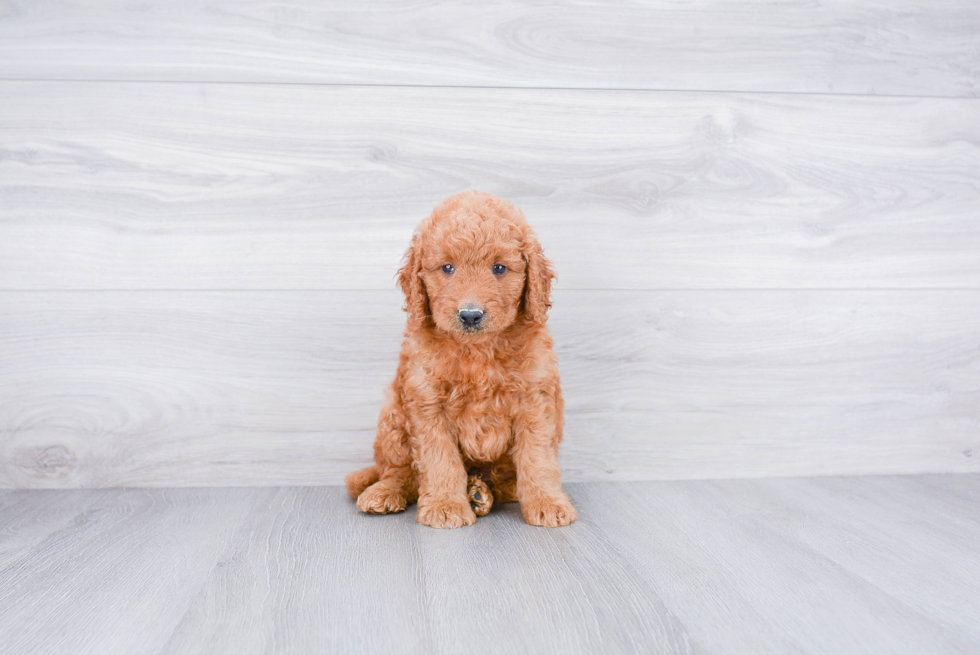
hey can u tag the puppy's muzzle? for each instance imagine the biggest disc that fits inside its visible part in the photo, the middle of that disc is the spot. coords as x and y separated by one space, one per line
470 319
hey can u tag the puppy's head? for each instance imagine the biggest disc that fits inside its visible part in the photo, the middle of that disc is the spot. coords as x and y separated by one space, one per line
474 268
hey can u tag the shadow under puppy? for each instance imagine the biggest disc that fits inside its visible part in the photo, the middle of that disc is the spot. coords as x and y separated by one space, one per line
477 389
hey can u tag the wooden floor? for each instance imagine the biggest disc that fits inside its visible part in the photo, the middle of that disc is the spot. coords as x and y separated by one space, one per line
805 565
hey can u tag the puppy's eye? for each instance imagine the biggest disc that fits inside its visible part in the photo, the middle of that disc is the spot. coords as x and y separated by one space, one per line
448 269
499 269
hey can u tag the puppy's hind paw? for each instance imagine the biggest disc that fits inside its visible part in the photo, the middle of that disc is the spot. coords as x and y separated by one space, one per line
481 498
445 514
381 499
549 511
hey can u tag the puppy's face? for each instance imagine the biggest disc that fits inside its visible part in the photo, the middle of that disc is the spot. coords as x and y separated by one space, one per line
473 273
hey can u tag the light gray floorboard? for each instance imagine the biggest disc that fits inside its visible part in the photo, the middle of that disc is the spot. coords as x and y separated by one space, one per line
267 388
967 497
836 565
204 186
911 47
725 563
303 571
26 519
940 581
119 576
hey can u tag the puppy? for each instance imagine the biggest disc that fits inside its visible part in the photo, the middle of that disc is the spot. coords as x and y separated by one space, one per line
477 383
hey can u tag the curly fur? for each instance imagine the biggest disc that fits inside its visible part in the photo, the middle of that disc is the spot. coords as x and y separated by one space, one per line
467 398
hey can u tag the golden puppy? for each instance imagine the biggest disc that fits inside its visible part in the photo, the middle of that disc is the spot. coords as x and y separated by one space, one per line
477 383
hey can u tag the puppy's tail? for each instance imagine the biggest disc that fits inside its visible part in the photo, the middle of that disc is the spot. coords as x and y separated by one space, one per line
358 481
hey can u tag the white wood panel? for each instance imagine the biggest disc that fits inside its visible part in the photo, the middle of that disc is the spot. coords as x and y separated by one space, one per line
911 47
247 186
836 565
234 388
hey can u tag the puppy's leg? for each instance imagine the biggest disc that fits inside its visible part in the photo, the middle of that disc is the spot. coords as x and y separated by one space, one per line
503 480
358 481
443 502
535 456
390 485
391 493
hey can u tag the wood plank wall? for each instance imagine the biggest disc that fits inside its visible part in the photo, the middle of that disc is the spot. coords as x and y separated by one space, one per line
765 219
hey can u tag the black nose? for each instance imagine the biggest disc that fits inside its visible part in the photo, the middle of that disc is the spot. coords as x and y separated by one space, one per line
470 318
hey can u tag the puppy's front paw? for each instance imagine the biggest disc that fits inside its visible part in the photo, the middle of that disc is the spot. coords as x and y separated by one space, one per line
380 499
548 511
445 513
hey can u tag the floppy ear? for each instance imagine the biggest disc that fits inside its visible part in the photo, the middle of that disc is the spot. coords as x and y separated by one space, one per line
537 283
409 279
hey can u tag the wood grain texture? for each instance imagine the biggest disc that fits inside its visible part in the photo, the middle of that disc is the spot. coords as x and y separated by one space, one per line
943 570
114 185
792 565
27 519
906 47
101 389
835 565
119 576
393 587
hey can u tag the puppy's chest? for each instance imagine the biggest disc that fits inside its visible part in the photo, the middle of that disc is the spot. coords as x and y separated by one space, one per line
481 411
